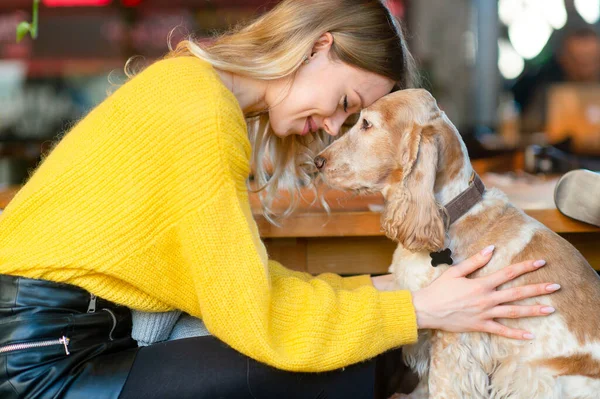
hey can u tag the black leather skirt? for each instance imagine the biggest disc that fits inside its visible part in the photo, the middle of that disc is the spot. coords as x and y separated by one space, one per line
58 341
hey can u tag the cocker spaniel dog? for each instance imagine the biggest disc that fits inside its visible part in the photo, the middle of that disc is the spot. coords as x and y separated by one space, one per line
438 211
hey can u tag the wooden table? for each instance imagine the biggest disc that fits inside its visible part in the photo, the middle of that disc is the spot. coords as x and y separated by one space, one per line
349 239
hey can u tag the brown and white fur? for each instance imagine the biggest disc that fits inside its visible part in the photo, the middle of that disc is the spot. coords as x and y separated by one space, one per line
406 148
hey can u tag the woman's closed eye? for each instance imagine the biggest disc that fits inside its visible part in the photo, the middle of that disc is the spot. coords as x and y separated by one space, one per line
346 103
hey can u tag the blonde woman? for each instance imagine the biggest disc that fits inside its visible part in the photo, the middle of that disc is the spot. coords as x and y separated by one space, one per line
143 206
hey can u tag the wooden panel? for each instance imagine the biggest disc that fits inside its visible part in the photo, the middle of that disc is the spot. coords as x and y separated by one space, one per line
339 224
589 246
352 255
290 252
373 255
560 223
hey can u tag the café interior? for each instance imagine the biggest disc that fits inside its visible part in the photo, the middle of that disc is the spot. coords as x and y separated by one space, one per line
520 79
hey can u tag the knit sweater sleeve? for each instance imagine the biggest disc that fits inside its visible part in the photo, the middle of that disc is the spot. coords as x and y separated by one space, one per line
283 321
282 318
276 270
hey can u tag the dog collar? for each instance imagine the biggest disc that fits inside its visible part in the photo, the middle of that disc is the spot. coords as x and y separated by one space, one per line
466 200
454 210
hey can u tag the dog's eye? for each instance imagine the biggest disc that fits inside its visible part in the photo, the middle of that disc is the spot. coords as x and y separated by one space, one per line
366 124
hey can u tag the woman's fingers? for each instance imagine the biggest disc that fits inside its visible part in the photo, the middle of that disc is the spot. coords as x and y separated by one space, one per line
511 272
493 327
473 263
523 292
515 312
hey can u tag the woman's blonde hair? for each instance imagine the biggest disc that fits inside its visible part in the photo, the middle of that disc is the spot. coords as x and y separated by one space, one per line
273 46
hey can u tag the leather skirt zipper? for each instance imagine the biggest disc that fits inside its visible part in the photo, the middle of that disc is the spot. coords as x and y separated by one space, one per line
92 304
64 341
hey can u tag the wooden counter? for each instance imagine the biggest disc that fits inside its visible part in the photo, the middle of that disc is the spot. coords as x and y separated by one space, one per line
6 194
349 239
360 217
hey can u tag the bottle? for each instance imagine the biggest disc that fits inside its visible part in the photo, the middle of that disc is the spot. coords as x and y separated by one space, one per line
509 117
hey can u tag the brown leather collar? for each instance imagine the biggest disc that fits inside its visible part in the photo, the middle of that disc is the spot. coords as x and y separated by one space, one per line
465 200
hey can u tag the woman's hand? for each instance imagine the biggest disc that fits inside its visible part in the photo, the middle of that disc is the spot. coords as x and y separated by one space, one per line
456 303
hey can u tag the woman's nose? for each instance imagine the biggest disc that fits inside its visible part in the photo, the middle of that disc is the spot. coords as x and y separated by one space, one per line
333 124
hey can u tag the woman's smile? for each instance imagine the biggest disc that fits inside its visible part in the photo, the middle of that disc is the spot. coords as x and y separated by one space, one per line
309 126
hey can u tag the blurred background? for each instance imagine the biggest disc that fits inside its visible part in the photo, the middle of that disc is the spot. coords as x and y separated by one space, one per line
517 77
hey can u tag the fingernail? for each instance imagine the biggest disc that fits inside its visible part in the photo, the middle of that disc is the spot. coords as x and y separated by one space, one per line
528 336
553 287
539 263
548 309
488 250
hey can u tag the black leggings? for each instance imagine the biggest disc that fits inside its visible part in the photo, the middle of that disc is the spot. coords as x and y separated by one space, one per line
204 367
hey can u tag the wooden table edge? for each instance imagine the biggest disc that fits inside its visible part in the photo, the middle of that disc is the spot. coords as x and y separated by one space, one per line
360 223
367 224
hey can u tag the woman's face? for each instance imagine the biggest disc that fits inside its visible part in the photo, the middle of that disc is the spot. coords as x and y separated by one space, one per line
322 94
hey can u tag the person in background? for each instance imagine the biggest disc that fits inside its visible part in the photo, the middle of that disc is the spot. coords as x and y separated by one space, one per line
143 206
577 61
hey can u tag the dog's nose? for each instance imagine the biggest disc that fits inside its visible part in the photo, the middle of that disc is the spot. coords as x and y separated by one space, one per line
320 162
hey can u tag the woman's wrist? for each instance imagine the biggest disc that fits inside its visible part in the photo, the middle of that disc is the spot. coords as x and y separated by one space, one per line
384 282
424 318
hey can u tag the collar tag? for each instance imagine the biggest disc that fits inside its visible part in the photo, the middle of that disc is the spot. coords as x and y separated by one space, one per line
443 257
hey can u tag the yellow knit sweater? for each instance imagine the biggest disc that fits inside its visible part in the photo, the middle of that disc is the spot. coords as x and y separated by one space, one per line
144 203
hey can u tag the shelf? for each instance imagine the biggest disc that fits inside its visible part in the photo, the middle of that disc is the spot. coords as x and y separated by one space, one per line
23 140
50 68
61 67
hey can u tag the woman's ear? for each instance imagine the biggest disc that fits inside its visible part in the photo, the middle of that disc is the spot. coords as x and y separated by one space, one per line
323 43
411 215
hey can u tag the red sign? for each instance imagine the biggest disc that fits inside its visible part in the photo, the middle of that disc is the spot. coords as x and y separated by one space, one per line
131 3
396 7
76 3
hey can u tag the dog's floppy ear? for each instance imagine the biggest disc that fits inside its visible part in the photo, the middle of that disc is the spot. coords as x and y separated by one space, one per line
411 215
